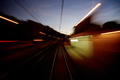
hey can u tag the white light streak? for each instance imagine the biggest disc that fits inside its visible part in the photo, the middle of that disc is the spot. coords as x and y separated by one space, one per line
89 13
74 40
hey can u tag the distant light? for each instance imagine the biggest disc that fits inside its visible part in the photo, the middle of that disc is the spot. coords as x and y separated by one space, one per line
91 35
74 40
9 20
110 32
49 35
58 38
89 13
42 33
37 39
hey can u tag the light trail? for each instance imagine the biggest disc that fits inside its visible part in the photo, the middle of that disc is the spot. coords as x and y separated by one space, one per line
9 20
110 32
89 13
42 33
37 39
74 40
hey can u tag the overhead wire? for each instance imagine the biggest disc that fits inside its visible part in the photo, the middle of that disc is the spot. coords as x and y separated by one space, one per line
32 10
61 14
20 4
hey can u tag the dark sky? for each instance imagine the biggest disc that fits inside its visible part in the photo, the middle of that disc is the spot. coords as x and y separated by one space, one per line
48 12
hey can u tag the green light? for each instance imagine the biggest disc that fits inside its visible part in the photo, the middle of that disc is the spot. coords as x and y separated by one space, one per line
83 45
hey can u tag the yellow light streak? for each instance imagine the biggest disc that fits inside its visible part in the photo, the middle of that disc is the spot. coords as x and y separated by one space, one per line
110 32
9 20
42 33
37 39
89 13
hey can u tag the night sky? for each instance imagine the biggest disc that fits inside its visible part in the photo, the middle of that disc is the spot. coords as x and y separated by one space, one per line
48 12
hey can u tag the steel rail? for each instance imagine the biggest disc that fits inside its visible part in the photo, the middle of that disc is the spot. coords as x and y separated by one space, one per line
53 64
66 63
5 74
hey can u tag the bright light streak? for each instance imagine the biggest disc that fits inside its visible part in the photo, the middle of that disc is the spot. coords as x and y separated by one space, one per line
9 20
74 40
37 39
42 33
110 32
89 13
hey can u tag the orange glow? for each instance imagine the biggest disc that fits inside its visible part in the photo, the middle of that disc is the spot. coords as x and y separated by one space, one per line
58 38
49 35
9 20
89 13
42 33
38 40
110 32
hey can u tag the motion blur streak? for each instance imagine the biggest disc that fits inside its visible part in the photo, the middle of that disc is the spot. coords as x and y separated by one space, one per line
9 20
42 33
110 32
89 13
74 40
38 40
7 41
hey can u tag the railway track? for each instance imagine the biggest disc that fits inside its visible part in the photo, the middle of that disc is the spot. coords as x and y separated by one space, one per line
60 68
52 63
